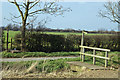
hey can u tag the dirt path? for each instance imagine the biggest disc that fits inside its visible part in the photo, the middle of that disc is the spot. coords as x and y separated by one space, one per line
100 74
33 58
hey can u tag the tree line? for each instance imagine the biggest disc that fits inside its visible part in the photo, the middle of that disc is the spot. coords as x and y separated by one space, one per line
39 28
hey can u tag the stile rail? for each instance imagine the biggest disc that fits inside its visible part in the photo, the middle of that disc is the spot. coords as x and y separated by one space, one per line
82 53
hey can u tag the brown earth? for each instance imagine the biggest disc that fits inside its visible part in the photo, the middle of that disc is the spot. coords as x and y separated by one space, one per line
100 74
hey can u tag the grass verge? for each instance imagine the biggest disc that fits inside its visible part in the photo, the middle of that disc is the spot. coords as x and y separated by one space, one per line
42 68
37 54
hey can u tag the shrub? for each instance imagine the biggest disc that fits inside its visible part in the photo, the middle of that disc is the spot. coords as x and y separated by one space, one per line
38 42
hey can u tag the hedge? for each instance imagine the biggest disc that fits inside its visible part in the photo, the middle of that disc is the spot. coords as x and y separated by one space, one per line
38 42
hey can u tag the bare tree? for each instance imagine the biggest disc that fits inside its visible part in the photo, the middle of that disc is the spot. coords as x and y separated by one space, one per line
30 8
111 12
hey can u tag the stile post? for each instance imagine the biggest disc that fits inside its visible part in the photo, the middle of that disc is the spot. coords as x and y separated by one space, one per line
83 56
82 41
106 61
94 53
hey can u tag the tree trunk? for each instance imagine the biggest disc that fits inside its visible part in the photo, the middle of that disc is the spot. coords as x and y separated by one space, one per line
23 44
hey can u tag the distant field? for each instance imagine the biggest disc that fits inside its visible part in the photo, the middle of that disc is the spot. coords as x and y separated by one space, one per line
13 33
74 33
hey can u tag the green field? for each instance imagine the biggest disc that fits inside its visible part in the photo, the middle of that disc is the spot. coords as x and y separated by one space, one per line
73 33
13 33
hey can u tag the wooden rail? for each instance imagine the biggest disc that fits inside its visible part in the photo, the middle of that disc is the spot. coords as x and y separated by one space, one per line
82 54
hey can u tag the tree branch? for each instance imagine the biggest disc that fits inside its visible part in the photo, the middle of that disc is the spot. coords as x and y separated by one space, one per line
36 11
14 2
111 12
34 4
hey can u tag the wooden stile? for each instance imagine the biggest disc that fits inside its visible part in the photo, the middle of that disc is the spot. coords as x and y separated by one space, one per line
94 54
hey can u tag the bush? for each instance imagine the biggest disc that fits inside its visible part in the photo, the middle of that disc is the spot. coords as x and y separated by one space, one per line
38 42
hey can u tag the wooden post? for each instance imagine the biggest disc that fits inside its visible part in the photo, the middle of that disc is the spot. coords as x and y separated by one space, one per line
7 39
94 53
83 56
106 61
11 43
82 41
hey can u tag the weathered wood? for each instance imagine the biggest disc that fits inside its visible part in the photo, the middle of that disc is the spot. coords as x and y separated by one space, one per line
80 56
83 56
95 56
106 61
82 41
94 53
15 51
94 48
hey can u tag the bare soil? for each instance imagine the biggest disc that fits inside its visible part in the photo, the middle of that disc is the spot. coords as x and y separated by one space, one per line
100 74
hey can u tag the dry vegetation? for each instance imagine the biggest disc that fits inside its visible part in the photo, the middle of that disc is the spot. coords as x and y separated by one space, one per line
32 70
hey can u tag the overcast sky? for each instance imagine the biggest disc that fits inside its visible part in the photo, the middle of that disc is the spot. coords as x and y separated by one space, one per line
84 16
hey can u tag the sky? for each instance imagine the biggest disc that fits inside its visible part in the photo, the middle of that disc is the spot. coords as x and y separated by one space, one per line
84 16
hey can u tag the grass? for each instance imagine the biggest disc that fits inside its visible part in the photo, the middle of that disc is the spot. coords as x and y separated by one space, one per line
113 55
37 54
13 33
47 67
73 33
43 65
54 65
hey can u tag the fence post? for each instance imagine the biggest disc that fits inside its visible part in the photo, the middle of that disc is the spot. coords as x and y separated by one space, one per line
82 41
94 53
83 56
11 43
106 61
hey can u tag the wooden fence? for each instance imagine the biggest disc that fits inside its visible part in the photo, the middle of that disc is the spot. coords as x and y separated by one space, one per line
82 54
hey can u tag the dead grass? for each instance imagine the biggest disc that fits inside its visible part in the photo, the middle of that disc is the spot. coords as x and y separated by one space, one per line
55 74
17 72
